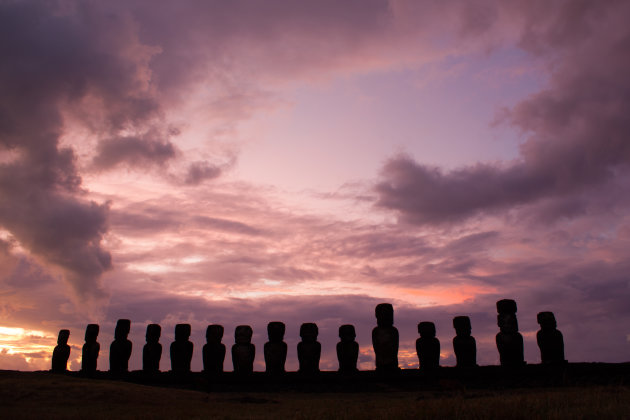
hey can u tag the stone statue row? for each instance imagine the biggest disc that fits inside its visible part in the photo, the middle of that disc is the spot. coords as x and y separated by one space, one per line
385 341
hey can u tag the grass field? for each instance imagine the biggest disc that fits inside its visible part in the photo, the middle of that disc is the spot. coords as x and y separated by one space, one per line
44 396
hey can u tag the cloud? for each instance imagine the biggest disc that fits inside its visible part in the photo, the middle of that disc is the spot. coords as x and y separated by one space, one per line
135 151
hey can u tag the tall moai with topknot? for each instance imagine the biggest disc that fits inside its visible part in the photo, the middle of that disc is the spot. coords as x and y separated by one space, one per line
213 350
120 349
385 338
347 349
243 351
550 339
275 349
309 349
181 349
91 349
464 343
61 353
509 340
428 346
152 350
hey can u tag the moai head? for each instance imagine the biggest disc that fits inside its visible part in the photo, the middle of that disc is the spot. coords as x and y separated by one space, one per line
91 333
506 306
243 334
123 326
507 316
426 329
462 326
182 332
63 336
309 331
153 333
214 333
275 331
347 333
384 314
546 320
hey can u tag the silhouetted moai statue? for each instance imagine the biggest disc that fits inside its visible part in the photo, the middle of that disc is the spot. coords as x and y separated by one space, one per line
152 351
275 348
181 349
91 348
385 338
120 349
243 351
509 340
347 349
61 353
549 339
428 346
213 350
464 344
309 349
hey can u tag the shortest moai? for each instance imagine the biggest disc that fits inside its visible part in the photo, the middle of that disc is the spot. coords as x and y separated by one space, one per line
213 350
347 349
91 349
152 350
509 340
309 349
181 349
428 346
464 343
275 349
61 353
550 339
243 351
120 349
385 338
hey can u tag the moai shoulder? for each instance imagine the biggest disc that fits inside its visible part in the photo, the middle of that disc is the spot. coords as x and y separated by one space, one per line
91 349
509 340
243 351
61 353
120 349
181 349
347 349
550 340
152 351
464 343
309 349
428 346
214 350
385 339
275 349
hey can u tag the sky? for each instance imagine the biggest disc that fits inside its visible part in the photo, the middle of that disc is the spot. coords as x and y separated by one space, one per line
245 162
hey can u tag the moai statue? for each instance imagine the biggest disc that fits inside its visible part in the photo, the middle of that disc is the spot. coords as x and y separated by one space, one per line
385 338
243 351
550 339
347 349
509 340
61 353
309 349
120 349
213 350
428 346
91 348
275 348
464 344
152 351
181 349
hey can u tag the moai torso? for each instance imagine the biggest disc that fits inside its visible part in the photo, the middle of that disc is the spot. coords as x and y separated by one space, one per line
214 349
61 353
243 351
181 349
550 339
120 349
428 346
91 349
275 348
385 338
152 351
347 349
509 340
464 344
309 349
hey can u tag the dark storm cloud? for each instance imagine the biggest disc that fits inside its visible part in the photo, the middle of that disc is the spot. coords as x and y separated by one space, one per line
133 151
